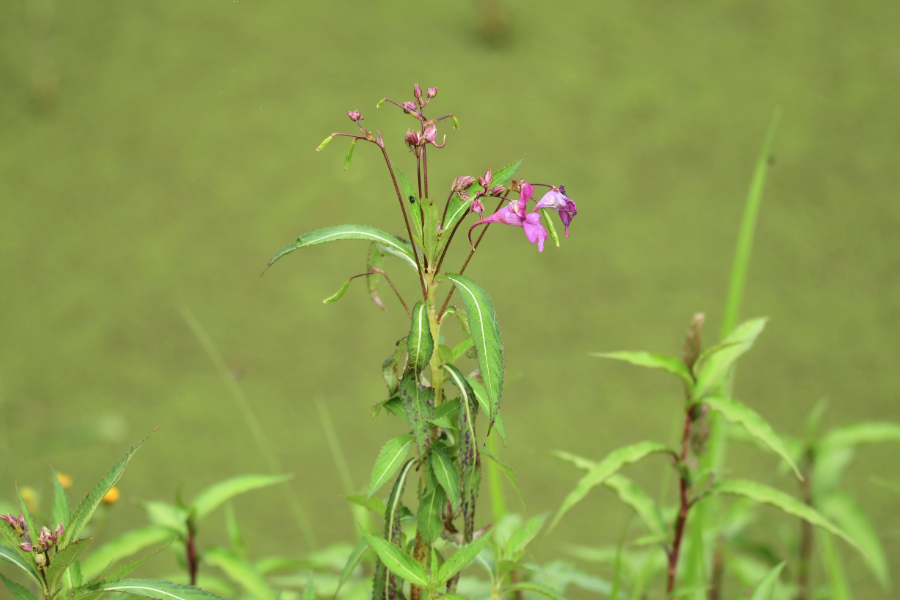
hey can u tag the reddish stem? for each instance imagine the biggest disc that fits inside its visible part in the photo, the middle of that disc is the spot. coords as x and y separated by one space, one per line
684 503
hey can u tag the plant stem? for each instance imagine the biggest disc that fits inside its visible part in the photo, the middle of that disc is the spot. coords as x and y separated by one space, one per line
684 503
391 283
191 553
806 531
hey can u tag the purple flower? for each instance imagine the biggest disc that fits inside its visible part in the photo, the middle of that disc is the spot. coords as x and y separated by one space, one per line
514 214
557 200
355 116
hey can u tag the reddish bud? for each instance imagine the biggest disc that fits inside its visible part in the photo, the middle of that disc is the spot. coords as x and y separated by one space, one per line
26 546
409 107
463 182
355 116
417 92
432 92
412 138
487 180
477 206
497 191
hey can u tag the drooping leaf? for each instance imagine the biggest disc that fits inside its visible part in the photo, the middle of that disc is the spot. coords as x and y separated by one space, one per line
486 335
604 469
766 587
430 517
459 559
537 588
130 542
352 562
375 260
508 473
233 528
338 294
459 208
149 588
18 592
736 412
418 408
652 361
446 472
62 559
388 243
241 571
582 463
714 371
846 512
62 512
397 561
466 404
14 557
349 156
420 343
389 460
860 433
767 495
521 538
217 494
837 580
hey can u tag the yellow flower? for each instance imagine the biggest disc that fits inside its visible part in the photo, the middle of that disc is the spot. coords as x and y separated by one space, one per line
64 480
111 496
31 499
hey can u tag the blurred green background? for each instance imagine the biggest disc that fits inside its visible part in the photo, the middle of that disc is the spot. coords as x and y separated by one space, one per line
154 155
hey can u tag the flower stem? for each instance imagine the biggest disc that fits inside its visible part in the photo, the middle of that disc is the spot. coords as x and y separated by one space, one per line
684 505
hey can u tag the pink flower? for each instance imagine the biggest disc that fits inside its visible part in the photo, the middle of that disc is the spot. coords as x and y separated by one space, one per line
557 200
514 214
355 116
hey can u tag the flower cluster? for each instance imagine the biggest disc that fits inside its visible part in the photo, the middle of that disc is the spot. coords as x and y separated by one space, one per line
46 539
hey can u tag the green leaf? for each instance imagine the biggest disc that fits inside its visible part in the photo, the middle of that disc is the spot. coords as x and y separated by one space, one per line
767 495
486 335
398 562
394 508
410 195
309 590
31 531
537 588
62 559
338 294
374 505
324 143
507 472
234 531
462 557
430 231
652 361
446 472
646 508
19 592
418 409
420 343
168 516
349 156
73 577
241 571
61 512
217 494
388 243
850 516
375 260
735 412
606 468
521 538
714 371
459 208
389 460
352 562
429 520
394 366
464 385
582 463
860 433
545 215
128 567
837 580
766 587
124 546
86 509
149 588
16 558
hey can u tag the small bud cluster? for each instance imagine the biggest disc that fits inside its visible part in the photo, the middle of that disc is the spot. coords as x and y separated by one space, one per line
46 539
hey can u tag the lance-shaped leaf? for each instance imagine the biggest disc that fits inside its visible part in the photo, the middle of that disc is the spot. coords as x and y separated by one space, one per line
459 208
537 588
419 343
410 195
767 495
388 243
14 557
486 335
735 412
430 230
241 571
375 260
446 472
397 561
846 512
417 405
640 502
124 570
485 403
521 538
766 587
389 460
217 494
838 588
462 557
430 517
61 512
61 561
714 371
149 588
86 509
394 367
508 473
858 434
352 562
18 592
385 585
604 469
652 361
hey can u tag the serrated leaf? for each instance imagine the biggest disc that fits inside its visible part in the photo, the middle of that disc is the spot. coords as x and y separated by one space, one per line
459 208
130 542
459 559
352 562
846 512
641 503
62 559
217 494
420 342
486 335
652 361
521 538
15 557
241 571
397 561
714 371
446 472
448 408
86 509
430 516
389 460
604 469
529 586
19 592
149 588
766 587
858 434
507 472
388 243
61 512
464 385
736 412
417 406
767 495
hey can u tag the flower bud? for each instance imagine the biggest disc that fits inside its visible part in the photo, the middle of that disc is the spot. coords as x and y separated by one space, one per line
412 138
497 191
477 206
463 182
26 546
417 92
112 496
409 107
487 180
692 342
40 560
432 92
355 116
